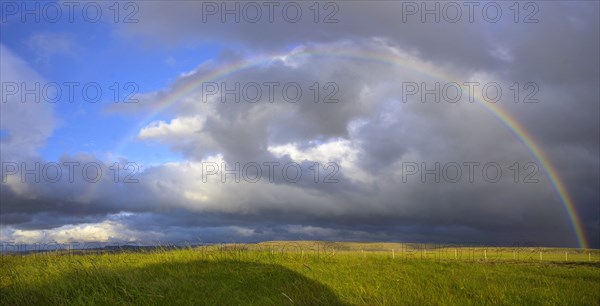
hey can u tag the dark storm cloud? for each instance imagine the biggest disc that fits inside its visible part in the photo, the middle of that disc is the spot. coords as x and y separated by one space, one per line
183 21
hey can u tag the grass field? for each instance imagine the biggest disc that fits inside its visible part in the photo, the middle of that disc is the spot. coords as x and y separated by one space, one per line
304 273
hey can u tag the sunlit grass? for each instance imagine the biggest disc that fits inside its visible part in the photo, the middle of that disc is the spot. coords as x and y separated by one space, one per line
305 273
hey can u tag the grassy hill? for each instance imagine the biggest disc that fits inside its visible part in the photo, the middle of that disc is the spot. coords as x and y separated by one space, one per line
304 273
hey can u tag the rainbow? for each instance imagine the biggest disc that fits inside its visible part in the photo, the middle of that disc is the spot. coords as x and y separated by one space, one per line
405 61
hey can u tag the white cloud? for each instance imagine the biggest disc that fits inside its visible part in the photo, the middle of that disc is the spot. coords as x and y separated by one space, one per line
341 151
106 231
178 127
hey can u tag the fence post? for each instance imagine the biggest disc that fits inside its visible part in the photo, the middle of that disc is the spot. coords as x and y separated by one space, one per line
540 255
393 254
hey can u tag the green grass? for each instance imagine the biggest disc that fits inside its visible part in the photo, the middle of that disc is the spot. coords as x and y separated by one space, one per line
304 273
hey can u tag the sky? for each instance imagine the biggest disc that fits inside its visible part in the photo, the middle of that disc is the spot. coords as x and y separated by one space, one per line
147 122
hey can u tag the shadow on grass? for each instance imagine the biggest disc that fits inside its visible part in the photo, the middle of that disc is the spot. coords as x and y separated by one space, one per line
191 283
